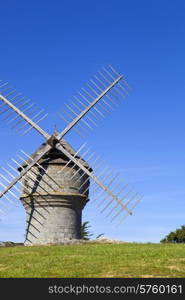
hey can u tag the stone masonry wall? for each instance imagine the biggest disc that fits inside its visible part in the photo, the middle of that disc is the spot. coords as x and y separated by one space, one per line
54 204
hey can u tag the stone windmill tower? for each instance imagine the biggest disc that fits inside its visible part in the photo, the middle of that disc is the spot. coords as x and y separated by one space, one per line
53 183
60 202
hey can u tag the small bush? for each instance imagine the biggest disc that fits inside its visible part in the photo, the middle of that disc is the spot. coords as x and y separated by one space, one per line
177 236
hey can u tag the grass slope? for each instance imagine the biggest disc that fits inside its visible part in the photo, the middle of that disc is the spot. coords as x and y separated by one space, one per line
94 260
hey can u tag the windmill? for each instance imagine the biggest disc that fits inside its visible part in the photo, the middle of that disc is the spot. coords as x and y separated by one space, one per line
53 183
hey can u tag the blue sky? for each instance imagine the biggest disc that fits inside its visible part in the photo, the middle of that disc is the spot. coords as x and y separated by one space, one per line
49 49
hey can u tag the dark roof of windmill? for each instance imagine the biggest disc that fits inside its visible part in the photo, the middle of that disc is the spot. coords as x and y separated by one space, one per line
54 156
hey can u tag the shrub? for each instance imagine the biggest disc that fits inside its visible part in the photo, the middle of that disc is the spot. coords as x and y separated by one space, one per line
177 236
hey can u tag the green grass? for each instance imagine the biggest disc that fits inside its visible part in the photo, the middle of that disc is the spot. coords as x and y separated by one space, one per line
94 260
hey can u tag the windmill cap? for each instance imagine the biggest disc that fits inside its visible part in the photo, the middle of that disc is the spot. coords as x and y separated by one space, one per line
54 156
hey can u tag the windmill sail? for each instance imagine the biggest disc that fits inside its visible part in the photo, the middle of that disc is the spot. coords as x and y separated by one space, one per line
18 111
112 182
94 102
111 194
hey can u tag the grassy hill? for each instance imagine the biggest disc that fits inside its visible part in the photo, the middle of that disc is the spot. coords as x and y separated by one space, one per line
94 260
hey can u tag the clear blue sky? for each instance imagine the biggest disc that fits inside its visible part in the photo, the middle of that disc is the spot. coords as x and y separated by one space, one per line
49 49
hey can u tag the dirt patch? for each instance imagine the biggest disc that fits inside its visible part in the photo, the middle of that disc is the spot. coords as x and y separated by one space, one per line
108 276
2 267
176 260
153 276
176 268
